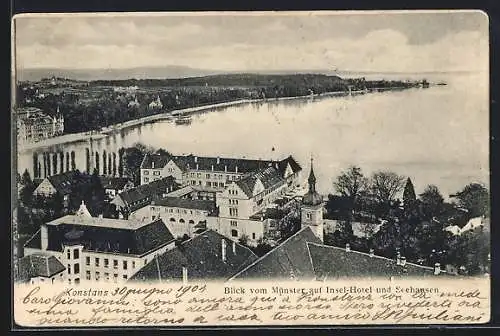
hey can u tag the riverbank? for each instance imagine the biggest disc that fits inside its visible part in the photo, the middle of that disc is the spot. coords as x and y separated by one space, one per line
105 131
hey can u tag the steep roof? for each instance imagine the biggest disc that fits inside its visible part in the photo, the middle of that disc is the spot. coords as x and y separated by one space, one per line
176 202
218 164
290 260
155 160
135 198
107 235
116 183
332 262
202 257
268 176
38 265
63 182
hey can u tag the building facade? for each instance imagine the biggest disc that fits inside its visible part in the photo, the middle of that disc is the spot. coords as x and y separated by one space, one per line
241 202
212 173
100 249
181 216
33 125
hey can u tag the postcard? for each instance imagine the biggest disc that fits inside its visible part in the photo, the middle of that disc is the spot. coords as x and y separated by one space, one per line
250 169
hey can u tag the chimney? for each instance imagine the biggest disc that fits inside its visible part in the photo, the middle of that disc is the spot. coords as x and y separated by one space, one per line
100 216
372 253
212 167
236 169
347 247
195 159
225 169
184 275
197 166
234 247
437 268
218 160
403 261
152 164
223 250
44 237
187 166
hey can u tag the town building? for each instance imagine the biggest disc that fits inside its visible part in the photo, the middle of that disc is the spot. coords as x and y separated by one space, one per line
207 256
241 204
115 185
40 268
61 184
100 249
213 173
33 125
156 104
303 256
182 216
135 198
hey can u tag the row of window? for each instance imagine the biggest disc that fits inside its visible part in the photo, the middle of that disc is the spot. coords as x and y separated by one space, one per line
233 192
106 263
171 210
106 276
182 221
146 179
233 201
155 172
215 176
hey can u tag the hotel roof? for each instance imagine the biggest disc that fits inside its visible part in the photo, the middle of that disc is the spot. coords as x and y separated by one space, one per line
105 235
201 256
269 177
111 223
218 164
134 198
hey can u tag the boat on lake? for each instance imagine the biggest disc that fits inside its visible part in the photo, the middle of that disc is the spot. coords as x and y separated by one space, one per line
183 120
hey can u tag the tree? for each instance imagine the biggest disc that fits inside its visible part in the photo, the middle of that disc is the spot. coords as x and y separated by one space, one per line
262 248
409 196
385 186
351 184
342 235
27 188
475 199
432 202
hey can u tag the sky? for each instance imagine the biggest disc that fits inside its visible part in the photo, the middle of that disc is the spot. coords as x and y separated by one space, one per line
379 42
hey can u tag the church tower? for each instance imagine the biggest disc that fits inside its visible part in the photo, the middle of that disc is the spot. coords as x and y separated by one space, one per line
312 207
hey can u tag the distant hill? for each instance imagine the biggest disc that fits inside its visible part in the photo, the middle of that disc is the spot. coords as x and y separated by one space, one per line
170 71
164 72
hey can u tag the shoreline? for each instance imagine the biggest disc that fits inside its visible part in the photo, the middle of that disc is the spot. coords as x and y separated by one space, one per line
106 131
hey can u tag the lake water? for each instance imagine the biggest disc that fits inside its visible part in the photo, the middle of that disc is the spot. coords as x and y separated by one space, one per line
438 135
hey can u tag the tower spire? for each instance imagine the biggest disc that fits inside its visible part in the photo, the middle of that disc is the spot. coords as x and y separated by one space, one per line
312 178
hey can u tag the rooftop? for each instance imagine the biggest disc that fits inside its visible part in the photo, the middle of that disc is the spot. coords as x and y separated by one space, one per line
136 239
201 256
207 163
175 202
38 265
268 176
290 260
98 222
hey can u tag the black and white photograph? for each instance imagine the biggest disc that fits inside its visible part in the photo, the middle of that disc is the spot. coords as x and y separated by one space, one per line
178 148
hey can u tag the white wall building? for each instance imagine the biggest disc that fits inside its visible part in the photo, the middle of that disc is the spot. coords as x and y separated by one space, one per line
100 249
